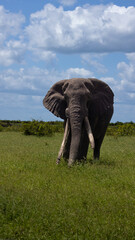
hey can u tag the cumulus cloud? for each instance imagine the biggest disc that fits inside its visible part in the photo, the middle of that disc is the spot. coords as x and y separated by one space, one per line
93 60
127 71
13 80
41 54
78 72
25 81
100 28
110 81
68 3
131 57
11 51
127 75
127 79
35 81
10 23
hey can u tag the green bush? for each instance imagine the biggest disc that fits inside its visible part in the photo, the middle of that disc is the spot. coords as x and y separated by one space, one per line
1 128
10 126
127 129
37 128
13 128
41 128
57 126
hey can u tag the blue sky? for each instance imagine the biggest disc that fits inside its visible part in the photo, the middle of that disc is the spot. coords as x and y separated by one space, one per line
42 42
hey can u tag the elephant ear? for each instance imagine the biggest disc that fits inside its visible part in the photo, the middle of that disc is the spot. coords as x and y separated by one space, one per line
102 96
54 100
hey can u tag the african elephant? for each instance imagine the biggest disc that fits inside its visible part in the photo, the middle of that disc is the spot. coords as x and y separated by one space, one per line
86 105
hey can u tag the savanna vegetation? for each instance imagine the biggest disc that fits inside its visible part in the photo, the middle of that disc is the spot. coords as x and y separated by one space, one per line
40 128
40 200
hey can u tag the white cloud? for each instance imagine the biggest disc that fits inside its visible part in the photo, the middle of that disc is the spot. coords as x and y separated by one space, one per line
10 23
110 81
127 75
17 80
67 2
11 51
85 29
78 72
127 79
132 95
54 30
93 60
131 57
35 81
41 54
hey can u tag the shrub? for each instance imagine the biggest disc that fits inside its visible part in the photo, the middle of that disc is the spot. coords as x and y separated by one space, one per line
37 128
57 126
9 126
127 129
1 128
13 128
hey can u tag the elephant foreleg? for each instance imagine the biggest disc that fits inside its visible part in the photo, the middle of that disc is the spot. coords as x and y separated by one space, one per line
96 153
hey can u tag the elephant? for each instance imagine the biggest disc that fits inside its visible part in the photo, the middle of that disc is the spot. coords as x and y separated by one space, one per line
86 106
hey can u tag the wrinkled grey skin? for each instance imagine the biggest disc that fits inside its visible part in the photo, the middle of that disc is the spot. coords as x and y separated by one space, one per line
74 99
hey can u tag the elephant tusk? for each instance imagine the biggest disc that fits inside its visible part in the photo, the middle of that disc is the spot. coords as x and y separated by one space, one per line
89 132
63 142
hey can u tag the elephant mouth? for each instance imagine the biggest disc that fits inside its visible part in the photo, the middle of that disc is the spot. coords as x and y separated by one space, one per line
65 137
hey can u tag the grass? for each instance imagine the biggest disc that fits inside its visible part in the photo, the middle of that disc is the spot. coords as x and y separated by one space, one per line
42 201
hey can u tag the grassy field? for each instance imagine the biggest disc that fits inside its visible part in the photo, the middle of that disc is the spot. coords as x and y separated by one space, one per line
42 201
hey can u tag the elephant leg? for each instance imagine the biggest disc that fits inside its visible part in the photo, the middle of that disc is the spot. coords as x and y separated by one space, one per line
96 153
102 124
98 142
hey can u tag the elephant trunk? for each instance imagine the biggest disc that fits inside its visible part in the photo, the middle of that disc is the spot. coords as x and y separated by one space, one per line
76 127
76 130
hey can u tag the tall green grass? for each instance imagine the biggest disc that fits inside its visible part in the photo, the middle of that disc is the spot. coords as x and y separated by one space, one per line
42 201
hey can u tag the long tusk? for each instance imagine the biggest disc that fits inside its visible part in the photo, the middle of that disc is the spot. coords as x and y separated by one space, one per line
89 131
63 142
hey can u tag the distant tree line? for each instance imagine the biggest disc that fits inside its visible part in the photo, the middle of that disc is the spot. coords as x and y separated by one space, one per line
34 127
121 129
41 128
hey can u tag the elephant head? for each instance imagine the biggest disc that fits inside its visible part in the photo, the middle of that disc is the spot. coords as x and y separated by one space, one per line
86 105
